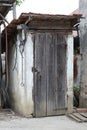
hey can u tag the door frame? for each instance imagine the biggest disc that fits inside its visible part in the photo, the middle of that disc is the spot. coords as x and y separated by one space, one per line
70 68
69 73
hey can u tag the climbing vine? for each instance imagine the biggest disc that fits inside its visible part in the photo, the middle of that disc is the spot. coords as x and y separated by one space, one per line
19 2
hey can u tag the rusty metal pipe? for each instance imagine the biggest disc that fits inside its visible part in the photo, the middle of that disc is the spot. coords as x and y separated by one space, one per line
0 68
6 58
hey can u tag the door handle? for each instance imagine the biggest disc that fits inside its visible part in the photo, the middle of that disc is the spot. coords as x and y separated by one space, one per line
35 70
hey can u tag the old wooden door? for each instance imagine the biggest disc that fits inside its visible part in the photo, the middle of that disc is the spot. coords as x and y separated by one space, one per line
49 74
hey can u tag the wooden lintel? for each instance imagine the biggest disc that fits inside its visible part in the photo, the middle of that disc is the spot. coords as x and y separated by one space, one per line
50 28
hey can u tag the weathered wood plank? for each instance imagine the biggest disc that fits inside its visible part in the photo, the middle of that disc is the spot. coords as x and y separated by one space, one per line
40 75
74 118
50 74
80 117
56 72
82 110
61 70
84 114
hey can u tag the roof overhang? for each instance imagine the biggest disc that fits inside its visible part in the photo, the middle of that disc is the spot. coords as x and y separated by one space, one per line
42 22
46 21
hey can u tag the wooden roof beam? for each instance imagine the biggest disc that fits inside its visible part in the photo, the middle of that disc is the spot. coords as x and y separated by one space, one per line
6 5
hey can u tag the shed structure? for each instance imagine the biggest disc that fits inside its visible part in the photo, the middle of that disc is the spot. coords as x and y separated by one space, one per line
40 60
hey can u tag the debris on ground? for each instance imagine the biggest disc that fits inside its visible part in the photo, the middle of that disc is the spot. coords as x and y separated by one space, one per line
7 114
79 115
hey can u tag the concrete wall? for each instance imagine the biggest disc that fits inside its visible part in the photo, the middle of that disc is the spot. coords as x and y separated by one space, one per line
21 77
83 49
77 62
70 73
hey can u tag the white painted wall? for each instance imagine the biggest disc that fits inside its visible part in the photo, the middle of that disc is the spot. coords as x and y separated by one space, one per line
70 72
21 81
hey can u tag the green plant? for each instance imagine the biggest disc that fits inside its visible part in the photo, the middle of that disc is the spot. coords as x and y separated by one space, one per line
76 91
19 2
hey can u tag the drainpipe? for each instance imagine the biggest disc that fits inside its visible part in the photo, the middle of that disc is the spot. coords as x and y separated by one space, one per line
0 68
6 58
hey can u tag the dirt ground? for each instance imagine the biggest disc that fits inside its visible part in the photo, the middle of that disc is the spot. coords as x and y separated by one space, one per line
10 121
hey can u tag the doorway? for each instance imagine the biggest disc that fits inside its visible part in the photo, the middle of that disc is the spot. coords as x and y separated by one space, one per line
50 85
77 71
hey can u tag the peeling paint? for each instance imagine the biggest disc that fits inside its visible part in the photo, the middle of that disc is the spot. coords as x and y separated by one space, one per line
70 72
21 94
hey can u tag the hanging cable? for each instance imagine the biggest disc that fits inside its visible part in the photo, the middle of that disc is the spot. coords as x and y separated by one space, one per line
22 45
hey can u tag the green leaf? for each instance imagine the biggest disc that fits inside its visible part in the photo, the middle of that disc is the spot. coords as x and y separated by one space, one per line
19 2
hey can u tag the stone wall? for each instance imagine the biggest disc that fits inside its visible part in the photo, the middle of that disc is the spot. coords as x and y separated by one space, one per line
83 52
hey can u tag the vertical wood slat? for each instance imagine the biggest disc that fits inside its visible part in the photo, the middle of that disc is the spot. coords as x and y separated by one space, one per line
50 74
61 71
40 75
56 73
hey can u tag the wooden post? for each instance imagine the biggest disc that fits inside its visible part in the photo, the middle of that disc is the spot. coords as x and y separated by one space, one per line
14 10
0 68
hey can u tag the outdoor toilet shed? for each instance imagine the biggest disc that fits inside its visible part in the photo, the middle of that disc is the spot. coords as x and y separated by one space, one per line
40 63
